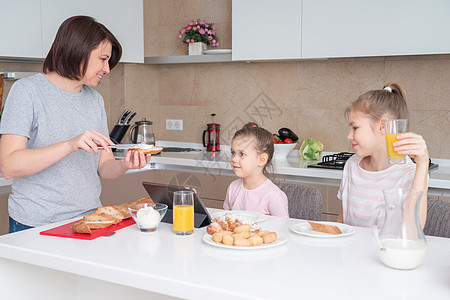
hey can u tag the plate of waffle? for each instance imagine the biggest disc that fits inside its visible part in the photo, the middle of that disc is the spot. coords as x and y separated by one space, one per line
322 229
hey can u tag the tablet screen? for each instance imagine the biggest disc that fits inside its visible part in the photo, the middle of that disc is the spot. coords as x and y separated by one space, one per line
163 193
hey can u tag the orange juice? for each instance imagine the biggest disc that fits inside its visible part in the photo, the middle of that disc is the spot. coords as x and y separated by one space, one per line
391 138
183 218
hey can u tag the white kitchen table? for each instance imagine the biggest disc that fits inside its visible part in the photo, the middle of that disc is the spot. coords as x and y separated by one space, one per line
161 265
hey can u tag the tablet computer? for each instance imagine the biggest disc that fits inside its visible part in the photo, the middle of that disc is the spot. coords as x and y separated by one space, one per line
163 193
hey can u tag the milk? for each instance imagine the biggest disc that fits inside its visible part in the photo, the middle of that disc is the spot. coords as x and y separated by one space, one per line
402 254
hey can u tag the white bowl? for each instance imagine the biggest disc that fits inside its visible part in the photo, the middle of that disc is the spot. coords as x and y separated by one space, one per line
283 150
159 208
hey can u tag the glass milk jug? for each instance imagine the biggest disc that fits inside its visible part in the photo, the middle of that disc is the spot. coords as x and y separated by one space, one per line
400 240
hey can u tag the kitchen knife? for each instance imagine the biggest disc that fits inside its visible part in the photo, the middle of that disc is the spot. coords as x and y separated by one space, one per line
128 119
123 116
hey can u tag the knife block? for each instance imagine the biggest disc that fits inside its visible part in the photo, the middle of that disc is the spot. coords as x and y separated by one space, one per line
118 133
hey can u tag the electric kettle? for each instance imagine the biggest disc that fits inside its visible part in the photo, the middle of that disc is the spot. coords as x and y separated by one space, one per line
142 131
213 130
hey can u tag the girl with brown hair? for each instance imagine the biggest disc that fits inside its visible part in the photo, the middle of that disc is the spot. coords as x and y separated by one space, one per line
368 173
251 152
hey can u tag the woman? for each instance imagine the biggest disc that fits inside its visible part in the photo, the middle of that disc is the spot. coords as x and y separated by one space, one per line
52 125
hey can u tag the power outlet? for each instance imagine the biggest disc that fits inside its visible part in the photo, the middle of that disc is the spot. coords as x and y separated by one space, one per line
174 124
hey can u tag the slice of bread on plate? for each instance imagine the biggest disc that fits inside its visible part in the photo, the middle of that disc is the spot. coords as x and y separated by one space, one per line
325 228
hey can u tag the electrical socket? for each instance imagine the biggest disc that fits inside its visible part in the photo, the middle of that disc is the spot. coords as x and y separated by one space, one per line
174 124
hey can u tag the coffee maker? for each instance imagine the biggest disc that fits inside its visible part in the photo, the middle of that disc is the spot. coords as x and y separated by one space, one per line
212 143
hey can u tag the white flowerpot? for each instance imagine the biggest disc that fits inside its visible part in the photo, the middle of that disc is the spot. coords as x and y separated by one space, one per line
196 48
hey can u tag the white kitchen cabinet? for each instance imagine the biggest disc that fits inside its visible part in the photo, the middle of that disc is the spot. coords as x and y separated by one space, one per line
351 28
123 18
266 29
20 29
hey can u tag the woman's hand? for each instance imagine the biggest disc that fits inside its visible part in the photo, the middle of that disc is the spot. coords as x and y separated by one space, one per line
135 160
413 145
90 140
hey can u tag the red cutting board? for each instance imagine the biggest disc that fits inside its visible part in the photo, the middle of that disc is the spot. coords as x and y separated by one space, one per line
67 232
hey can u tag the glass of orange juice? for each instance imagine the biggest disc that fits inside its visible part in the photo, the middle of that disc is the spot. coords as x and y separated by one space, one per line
392 129
183 212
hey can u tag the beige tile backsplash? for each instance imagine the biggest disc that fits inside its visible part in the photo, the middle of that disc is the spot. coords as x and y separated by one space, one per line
307 96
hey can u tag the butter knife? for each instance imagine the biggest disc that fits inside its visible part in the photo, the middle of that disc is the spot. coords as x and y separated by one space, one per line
126 146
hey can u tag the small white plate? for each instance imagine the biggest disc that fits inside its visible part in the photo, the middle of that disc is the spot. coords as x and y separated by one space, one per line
258 217
217 51
281 239
304 228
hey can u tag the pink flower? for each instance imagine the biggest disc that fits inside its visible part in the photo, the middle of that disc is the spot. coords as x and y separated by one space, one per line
191 23
189 27
213 32
202 22
209 37
192 41
217 44
183 31
202 31
214 28
187 41
213 41
194 28
180 36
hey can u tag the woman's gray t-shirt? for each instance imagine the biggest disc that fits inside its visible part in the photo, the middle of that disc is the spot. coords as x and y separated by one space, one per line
45 114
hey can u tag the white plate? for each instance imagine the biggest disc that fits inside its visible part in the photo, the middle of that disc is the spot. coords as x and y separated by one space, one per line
304 228
217 51
258 217
281 239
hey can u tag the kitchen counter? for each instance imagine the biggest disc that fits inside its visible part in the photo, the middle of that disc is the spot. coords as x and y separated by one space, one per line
291 169
161 265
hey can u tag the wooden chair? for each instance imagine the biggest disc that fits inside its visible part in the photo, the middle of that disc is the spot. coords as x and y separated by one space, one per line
438 217
304 202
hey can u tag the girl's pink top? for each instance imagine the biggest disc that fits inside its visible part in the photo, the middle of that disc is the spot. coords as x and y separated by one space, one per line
267 199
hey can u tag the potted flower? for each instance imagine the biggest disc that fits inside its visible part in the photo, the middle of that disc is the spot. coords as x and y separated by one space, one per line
198 34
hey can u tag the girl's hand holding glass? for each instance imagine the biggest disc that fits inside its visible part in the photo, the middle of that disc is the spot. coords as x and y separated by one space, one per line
413 145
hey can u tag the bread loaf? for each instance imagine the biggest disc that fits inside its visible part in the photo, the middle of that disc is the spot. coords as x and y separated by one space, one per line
106 216
96 220
81 227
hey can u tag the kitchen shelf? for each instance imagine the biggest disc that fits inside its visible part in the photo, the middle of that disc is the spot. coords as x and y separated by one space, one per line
187 59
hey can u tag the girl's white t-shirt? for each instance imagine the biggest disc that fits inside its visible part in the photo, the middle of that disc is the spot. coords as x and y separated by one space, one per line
361 191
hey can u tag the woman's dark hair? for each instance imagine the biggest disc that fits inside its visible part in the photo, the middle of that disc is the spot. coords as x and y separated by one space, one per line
76 38
264 141
389 101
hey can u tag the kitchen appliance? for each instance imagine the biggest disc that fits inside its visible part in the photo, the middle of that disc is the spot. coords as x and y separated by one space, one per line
142 131
337 161
213 141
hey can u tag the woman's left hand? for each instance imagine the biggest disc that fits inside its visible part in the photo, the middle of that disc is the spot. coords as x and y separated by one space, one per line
413 145
135 160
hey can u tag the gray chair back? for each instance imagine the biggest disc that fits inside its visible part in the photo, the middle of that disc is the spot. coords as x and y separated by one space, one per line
438 217
304 202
